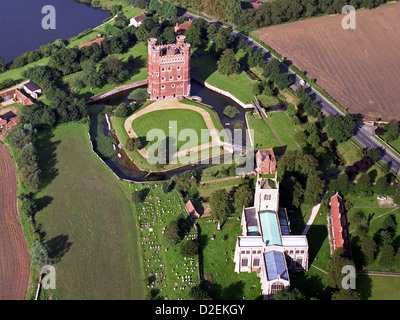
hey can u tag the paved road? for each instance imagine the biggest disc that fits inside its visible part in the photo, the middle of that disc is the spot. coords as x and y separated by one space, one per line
362 133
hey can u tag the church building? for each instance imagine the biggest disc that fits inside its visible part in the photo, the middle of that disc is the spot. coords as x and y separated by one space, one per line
266 246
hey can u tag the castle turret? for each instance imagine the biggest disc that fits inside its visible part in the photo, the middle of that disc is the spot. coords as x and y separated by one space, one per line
168 69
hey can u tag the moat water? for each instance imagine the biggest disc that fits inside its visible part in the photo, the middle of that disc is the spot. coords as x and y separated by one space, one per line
125 169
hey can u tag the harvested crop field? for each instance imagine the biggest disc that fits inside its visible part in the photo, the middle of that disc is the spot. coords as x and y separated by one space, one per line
14 257
359 68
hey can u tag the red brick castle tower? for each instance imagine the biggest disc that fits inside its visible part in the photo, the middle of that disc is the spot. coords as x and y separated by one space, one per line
168 69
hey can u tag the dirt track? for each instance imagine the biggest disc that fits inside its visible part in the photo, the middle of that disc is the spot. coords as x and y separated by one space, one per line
14 257
359 68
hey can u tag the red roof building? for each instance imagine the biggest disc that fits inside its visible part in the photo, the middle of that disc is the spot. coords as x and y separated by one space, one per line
256 4
168 69
193 214
265 161
181 28
88 44
8 123
338 227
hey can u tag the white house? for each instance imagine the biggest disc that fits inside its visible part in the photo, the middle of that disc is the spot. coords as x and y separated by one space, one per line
137 21
267 247
32 89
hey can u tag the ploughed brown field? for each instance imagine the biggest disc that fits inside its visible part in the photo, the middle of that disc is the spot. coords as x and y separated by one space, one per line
14 257
359 68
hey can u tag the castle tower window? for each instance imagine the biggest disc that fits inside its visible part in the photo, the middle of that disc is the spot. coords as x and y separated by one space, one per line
169 68
172 86
171 78
179 77
162 87
162 69
162 78
178 68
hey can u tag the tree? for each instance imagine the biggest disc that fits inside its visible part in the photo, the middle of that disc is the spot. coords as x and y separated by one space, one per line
219 204
39 255
232 10
368 248
139 94
66 60
113 70
169 35
172 232
381 186
2 65
373 154
363 185
189 248
227 64
392 129
335 265
314 189
389 223
340 128
293 294
28 207
258 88
291 111
122 111
243 198
193 35
386 259
90 76
121 21
346 294
133 144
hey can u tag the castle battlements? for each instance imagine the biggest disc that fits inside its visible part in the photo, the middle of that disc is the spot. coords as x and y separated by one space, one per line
168 69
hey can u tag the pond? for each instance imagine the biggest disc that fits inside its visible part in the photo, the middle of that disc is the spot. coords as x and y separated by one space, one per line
125 169
21 24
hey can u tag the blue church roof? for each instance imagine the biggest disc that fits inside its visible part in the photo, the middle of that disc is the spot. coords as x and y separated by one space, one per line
275 265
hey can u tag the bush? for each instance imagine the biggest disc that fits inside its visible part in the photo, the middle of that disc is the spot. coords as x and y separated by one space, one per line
104 146
132 144
122 111
139 94
231 111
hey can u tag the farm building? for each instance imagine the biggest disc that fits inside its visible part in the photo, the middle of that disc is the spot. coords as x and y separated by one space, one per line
7 121
338 231
137 21
32 89
266 246
17 96
265 161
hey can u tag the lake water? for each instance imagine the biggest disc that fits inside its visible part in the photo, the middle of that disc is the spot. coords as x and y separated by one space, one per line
21 24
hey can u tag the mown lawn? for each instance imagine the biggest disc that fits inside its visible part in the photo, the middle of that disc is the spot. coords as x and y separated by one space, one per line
284 129
263 136
240 85
218 265
173 119
86 217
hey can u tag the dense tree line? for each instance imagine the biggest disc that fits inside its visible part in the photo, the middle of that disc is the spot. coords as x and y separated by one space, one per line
271 12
